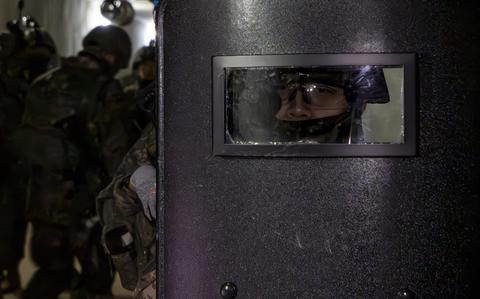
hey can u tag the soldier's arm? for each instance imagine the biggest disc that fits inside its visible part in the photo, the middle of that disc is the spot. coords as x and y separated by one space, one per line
118 208
118 199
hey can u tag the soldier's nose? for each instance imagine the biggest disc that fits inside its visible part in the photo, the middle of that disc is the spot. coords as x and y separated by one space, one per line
298 109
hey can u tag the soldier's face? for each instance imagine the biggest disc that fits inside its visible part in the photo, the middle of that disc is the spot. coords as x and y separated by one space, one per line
307 101
146 70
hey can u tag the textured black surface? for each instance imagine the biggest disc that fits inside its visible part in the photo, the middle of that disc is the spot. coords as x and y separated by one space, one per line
323 227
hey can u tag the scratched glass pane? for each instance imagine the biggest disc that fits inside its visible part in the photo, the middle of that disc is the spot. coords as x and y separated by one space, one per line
340 104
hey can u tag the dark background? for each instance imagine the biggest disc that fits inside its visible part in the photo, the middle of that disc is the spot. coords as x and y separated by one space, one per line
324 227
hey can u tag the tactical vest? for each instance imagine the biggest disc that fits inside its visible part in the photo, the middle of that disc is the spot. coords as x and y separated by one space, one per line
59 141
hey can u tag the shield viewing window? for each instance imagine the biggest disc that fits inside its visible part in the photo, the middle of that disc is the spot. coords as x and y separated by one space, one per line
314 105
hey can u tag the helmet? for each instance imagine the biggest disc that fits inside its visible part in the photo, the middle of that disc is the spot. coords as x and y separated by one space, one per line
108 40
143 54
360 83
33 49
28 34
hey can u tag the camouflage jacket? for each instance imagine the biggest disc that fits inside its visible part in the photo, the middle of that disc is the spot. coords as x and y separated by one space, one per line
11 109
66 131
118 205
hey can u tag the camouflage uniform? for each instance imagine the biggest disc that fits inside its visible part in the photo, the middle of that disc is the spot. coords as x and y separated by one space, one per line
71 141
147 286
119 207
21 59
66 132
12 184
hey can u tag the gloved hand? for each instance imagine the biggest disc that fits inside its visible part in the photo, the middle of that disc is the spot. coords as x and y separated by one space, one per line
144 182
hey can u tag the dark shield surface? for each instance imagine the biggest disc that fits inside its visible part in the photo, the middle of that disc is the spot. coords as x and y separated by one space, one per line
323 227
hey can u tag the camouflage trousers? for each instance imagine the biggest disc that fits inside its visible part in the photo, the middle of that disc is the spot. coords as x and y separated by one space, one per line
146 287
